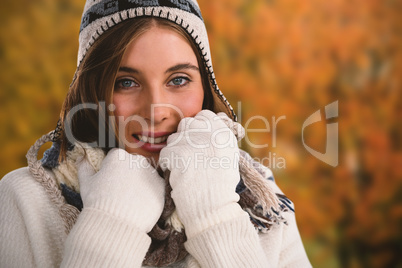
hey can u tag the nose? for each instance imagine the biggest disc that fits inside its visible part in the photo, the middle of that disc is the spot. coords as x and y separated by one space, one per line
156 106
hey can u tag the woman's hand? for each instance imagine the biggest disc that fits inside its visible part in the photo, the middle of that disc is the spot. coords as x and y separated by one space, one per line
126 187
203 159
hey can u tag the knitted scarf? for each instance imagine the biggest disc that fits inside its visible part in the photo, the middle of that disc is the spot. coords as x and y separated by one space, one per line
256 197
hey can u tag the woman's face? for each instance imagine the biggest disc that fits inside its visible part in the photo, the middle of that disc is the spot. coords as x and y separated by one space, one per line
157 84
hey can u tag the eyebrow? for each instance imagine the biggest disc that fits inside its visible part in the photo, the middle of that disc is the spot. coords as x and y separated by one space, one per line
177 67
127 69
182 66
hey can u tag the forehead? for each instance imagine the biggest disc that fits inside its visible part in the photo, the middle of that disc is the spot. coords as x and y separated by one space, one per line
159 46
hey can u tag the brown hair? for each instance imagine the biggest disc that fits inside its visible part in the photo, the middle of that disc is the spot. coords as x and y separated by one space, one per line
95 78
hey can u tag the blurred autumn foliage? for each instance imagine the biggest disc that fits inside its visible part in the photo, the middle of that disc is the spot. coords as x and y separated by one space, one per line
274 58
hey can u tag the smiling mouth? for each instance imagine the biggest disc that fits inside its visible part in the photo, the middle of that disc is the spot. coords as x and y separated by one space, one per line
151 140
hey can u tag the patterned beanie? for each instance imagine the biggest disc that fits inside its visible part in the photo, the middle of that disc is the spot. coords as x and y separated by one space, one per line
101 15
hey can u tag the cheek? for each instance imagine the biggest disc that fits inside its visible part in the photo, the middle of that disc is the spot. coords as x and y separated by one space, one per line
117 106
123 107
192 105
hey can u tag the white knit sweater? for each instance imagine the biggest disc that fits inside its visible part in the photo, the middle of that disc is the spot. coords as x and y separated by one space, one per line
32 235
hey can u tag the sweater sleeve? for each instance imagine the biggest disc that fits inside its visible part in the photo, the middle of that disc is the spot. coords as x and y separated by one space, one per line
236 243
100 240
233 243
32 232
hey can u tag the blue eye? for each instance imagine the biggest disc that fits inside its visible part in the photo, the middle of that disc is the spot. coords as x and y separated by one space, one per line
179 81
125 83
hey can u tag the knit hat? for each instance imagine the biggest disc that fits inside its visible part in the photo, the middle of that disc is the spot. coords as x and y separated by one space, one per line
101 15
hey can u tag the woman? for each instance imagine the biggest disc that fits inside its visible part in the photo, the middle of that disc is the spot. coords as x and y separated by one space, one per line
144 169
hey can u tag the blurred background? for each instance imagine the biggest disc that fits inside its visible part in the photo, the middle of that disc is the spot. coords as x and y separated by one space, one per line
274 58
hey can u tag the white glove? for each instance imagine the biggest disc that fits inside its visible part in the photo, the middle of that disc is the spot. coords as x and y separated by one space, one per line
203 159
126 187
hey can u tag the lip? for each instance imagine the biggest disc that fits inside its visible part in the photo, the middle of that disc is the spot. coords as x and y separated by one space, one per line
152 134
151 147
